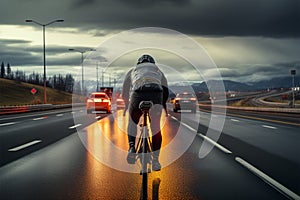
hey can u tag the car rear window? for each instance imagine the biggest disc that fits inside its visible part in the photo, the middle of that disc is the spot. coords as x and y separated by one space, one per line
98 96
185 95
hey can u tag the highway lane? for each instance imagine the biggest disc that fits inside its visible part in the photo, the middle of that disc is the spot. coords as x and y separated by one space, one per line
25 133
66 170
270 145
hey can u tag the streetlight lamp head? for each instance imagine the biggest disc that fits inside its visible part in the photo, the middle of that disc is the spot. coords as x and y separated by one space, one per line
28 20
71 49
60 20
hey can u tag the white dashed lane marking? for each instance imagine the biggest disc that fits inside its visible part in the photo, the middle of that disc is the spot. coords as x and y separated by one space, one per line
23 146
75 126
7 124
39 118
270 127
234 120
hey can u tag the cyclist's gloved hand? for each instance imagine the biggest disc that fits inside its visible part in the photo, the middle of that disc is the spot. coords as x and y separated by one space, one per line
125 109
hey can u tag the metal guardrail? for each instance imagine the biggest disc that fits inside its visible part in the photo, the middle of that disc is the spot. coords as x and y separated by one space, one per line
40 107
4 110
262 109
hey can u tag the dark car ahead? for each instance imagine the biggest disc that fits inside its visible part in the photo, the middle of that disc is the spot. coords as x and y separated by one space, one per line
185 101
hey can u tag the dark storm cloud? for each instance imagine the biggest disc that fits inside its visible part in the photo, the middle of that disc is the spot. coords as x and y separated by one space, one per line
274 69
272 18
10 52
269 18
13 41
80 3
259 72
271 49
151 3
21 53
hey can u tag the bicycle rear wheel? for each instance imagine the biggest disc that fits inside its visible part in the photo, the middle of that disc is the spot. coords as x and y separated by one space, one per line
144 169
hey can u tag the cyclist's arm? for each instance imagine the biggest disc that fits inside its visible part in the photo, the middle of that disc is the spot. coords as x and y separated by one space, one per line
165 92
126 89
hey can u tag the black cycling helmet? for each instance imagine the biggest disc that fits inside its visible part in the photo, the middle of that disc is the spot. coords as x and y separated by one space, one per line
146 58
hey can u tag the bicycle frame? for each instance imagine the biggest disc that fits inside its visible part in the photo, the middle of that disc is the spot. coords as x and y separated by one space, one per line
144 141
144 147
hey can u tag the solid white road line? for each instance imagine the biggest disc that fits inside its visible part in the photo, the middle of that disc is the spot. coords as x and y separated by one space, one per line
271 127
75 126
7 124
268 179
205 137
215 144
187 126
25 145
174 118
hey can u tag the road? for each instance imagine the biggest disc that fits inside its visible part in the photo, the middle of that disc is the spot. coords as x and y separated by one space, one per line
43 156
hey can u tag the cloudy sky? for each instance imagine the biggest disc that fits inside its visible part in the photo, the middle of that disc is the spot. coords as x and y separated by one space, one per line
248 40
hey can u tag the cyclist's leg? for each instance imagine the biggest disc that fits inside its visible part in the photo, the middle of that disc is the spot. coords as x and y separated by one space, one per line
134 116
156 140
155 128
155 114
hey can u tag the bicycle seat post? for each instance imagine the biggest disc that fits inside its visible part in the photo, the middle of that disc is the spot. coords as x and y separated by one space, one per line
145 107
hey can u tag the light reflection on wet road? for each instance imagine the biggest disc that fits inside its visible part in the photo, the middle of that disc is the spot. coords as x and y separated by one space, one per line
66 170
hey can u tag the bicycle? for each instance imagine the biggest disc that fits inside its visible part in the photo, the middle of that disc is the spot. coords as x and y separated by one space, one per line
144 147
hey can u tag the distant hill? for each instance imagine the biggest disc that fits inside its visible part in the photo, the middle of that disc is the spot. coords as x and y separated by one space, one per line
282 82
14 93
228 86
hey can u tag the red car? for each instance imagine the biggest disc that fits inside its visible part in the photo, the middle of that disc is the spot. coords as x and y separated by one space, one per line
120 103
98 101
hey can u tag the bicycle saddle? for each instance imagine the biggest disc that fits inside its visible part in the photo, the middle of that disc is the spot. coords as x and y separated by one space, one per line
145 105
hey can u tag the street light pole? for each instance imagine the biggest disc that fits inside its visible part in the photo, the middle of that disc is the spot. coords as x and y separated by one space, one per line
82 52
97 77
102 78
293 73
44 49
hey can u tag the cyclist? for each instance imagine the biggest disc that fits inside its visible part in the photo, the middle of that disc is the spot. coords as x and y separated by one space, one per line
145 82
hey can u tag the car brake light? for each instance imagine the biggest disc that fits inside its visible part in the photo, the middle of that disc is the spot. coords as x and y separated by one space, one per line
90 100
106 100
193 99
